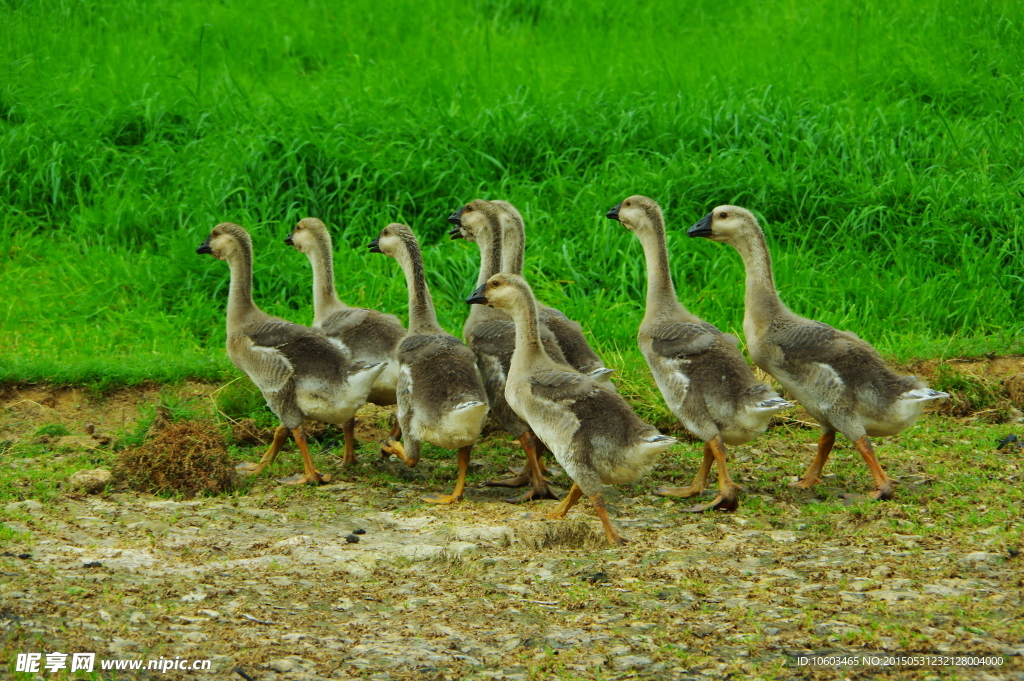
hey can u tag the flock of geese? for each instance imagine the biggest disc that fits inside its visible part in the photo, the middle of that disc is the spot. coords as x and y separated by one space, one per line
531 366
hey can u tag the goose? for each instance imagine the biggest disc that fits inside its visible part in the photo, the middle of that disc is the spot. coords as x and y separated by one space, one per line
698 369
491 335
363 334
441 398
839 378
300 372
592 432
568 333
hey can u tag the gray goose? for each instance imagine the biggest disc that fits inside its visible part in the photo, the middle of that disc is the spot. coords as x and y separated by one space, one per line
699 370
363 334
591 431
441 398
840 379
299 371
491 335
568 333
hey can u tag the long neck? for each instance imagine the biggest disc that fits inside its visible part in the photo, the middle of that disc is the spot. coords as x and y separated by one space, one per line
422 318
529 350
661 294
325 298
513 240
489 241
761 301
240 305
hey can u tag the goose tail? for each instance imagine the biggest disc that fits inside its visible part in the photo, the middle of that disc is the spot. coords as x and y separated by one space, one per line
923 395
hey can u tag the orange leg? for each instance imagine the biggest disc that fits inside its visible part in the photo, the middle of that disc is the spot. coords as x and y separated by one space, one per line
882 482
728 491
395 447
559 511
813 474
350 441
614 538
310 474
700 480
396 428
532 474
280 435
460 483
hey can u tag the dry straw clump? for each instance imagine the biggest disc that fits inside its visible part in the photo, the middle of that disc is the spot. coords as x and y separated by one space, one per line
187 457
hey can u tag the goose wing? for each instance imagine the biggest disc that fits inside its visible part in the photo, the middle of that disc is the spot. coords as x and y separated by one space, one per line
678 340
343 321
495 337
811 352
257 351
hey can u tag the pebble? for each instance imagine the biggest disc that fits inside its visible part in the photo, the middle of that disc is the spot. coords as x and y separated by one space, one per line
91 481
359 531
29 506
627 662
352 539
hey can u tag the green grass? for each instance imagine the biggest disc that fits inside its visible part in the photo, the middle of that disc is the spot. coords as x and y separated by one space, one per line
881 143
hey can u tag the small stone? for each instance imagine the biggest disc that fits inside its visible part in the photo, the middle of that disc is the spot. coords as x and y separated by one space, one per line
193 597
285 665
351 539
882 571
627 662
105 616
29 506
359 531
782 535
92 564
210 613
91 481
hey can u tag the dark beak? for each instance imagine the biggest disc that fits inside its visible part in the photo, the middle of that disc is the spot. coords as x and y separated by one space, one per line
375 245
456 219
289 239
613 214
477 297
205 249
702 228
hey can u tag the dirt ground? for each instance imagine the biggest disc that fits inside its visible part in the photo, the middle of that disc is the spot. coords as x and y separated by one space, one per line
272 581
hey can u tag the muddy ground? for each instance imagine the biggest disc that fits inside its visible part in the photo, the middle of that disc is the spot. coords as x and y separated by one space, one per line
267 579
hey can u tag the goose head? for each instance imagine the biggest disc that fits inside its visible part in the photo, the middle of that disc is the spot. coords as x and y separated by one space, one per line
503 291
308 235
394 240
726 224
637 214
472 219
226 240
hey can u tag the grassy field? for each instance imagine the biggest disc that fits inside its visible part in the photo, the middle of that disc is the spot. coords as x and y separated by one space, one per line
882 144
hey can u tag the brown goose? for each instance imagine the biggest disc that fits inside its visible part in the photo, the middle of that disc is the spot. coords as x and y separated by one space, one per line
491 335
701 374
299 371
363 334
592 432
441 398
840 379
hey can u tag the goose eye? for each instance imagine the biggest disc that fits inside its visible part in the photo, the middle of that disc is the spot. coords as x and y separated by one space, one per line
723 215
468 209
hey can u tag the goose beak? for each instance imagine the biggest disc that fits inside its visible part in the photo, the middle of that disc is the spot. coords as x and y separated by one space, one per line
204 248
477 297
613 214
375 245
456 219
702 228
289 239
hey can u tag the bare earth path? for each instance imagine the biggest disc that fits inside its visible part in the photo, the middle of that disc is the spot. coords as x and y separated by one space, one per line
265 580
